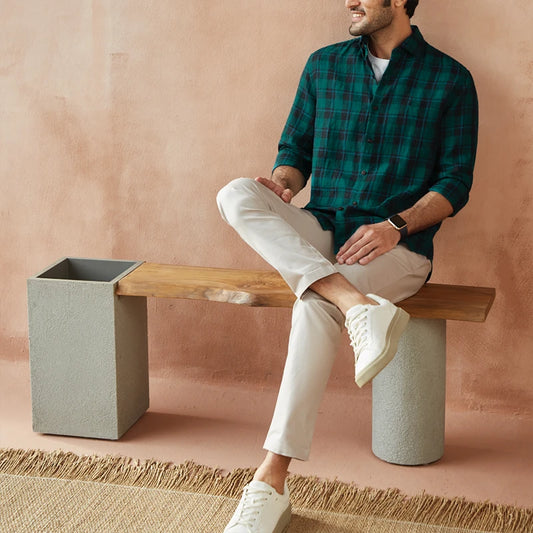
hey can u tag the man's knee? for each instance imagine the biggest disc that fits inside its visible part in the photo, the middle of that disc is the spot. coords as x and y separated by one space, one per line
231 198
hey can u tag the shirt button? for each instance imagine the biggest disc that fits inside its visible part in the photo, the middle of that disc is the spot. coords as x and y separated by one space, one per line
364 172
340 208
370 141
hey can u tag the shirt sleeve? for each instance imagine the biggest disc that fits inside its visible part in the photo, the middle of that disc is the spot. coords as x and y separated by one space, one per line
295 148
459 132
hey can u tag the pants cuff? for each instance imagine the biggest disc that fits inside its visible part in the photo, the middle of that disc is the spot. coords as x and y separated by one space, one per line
286 451
309 278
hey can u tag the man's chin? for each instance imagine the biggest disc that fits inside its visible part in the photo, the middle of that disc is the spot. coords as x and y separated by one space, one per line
356 30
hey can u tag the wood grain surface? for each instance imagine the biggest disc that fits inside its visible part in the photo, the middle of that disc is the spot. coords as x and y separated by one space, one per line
263 288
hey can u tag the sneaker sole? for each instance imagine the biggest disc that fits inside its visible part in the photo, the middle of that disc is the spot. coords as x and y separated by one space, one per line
284 520
396 328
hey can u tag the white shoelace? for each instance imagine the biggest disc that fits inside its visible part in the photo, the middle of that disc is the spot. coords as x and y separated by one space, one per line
253 501
357 329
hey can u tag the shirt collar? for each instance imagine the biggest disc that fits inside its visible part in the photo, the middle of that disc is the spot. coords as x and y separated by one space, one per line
413 45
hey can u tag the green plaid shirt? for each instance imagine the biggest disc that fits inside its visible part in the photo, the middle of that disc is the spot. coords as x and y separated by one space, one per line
375 149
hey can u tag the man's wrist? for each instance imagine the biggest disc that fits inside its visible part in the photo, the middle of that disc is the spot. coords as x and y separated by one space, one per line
289 178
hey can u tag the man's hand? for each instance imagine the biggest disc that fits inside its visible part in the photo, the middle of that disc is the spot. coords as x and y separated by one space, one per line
284 193
368 242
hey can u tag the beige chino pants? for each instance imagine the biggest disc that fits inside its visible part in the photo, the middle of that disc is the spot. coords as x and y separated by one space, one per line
292 240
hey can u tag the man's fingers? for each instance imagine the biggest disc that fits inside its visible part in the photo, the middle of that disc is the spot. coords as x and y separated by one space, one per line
269 183
357 254
352 246
346 246
285 194
370 257
354 239
367 243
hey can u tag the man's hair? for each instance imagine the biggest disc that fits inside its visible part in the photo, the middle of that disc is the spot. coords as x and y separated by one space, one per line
410 6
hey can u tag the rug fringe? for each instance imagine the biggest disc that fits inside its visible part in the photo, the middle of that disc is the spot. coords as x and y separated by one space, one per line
306 492
392 504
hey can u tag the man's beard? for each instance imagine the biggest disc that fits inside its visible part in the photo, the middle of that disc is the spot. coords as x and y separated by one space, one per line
380 21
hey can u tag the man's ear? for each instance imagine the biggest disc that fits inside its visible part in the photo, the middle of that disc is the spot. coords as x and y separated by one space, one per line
400 3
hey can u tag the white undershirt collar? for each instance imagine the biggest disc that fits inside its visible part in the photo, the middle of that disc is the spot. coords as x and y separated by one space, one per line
379 66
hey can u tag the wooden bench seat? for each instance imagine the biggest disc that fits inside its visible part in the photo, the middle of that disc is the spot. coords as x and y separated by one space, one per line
262 288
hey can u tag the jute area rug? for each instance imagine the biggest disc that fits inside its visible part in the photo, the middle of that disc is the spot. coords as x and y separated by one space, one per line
63 492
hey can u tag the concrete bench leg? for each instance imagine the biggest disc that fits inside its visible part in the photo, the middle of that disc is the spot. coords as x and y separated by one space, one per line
408 397
88 350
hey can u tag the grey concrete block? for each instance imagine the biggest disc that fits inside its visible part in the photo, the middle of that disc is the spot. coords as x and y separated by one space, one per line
408 397
88 350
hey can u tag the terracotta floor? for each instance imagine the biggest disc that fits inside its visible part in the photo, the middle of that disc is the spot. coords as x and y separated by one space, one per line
487 456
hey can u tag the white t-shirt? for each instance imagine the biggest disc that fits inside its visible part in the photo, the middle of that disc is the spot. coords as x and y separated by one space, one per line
379 66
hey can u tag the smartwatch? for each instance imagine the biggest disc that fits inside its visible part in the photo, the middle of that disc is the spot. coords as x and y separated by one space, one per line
400 224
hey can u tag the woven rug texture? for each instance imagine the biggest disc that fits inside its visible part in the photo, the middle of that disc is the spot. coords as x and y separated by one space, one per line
61 492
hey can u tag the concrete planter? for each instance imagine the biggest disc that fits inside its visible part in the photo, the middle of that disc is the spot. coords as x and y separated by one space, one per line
88 350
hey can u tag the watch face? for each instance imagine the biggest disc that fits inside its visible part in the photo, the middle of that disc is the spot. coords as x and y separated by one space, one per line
398 221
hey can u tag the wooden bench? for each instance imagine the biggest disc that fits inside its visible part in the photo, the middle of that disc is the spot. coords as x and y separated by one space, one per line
263 288
89 348
408 397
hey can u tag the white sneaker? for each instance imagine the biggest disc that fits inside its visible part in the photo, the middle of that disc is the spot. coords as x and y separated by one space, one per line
261 510
375 331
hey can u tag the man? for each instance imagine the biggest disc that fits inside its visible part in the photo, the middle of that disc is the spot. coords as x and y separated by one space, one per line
387 126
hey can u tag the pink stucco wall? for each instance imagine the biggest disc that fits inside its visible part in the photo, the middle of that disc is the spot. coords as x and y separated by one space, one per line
120 119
